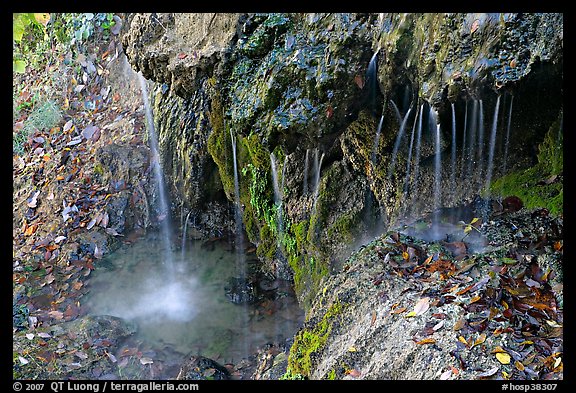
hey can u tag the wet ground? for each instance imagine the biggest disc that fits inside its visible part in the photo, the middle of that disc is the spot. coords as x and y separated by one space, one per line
183 309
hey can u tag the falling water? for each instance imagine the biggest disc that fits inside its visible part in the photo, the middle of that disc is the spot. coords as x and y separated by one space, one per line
306 164
317 167
473 129
417 151
492 145
372 78
453 153
240 265
278 190
409 161
507 142
240 258
377 140
480 156
463 158
396 111
183 248
437 162
164 216
397 144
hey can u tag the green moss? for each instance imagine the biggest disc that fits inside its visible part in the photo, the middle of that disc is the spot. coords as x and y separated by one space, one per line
310 340
220 147
343 227
530 184
331 375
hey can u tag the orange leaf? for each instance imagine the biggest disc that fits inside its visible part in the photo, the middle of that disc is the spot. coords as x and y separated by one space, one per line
359 81
519 365
463 291
454 370
475 299
31 229
428 340
459 324
77 285
399 310
463 340
353 373
427 261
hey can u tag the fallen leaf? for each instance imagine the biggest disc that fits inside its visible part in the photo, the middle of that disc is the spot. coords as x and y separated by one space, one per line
519 365
475 26
58 239
359 81
111 357
498 349
44 335
503 357
353 373
399 310
145 361
480 339
67 126
30 230
33 200
554 324
459 324
30 336
488 373
428 340
58 315
182 56
422 306
439 325
445 375
352 349
89 131
22 360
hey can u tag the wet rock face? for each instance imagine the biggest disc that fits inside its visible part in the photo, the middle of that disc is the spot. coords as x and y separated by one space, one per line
202 368
240 290
296 83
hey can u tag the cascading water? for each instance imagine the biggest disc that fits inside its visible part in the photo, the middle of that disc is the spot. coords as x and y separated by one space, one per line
409 161
437 161
164 216
473 131
239 244
463 155
317 167
306 164
453 152
492 146
240 260
397 144
480 156
183 246
278 197
507 141
417 152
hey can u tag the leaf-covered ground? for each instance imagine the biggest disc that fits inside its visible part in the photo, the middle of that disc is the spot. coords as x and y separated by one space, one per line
486 305
62 223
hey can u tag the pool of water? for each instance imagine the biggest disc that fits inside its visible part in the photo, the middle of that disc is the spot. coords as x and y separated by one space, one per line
185 308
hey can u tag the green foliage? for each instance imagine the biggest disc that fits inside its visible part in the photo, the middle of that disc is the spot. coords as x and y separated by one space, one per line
43 117
532 185
310 340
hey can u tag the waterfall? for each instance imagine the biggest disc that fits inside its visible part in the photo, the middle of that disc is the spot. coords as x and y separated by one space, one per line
507 142
409 161
164 216
377 141
278 195
492 145
396 111
240 264
317 167
183 248
306 164
437 161
397 144
453 153
463 151
372 79
471 152
417 151
480 157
